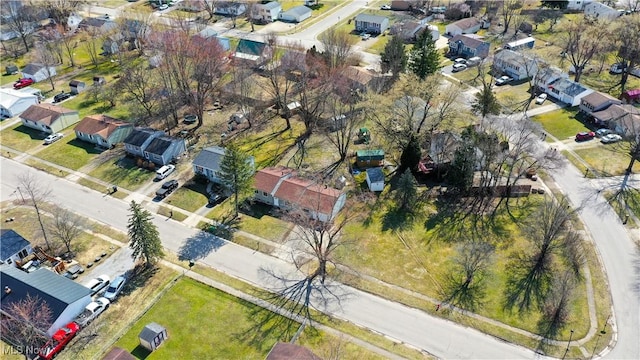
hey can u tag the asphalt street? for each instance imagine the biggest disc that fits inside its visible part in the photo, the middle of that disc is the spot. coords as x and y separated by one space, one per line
439 337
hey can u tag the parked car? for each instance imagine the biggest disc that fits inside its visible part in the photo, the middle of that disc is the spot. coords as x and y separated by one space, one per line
115 288
474 61
610 138
164 171
98 284
163 7
617 68
541 98
460 61
385 7
365 36
58 341
602 132
502 80
61 97
190 119
22 83
458 67
92 311
584 136
52 138
167 188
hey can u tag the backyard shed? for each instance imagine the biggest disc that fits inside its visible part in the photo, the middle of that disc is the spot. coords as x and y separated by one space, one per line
99 80
296 14
77 86
375 179
152 336
11 70
369 158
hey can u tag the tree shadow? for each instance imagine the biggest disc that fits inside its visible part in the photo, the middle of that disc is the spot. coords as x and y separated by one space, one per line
199 246
88 147
138 277
397 218
33 133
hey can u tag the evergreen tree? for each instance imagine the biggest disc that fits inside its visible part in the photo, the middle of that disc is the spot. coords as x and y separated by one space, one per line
236 172
394 57
143 235
424 59
410 155
486 102
407 191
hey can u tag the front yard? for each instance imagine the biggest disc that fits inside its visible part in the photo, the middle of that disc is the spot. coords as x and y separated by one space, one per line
122 172
562 123
70 152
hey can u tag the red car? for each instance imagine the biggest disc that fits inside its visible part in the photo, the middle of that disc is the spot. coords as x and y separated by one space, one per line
59 340
24 82
583 136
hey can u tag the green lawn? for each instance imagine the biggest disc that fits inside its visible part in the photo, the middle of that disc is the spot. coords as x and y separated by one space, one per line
608 160
561 123
189 197
21 138
70 152
269 145
123 173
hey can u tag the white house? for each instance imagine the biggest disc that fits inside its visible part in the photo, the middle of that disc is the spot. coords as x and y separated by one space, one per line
14 102
599 11
38 72
296 14
208 161
567 91
372 24
577 5
230 8
375 179
464 26
266 13
13 247
514 64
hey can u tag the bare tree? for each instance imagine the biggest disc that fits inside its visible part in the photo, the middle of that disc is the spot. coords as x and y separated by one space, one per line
20 19
142 85
464 286
632 5
36 193
337 47
60 10
91 41
343 125
210 7
508 10
45 55
25 321
66 226
626 32
582 39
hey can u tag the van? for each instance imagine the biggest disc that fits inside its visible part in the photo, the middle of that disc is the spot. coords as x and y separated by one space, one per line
474 61
164 171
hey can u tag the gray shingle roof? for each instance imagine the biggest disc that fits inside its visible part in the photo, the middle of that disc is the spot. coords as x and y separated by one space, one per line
250 47
32 68
150 331
375 174
10 243
376 19
55 290
271 5
568 87
298 11
159 145
138 136
210 158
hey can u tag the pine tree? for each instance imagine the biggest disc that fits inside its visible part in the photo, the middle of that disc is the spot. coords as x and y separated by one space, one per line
236 172
394 57
486 102
143 235
407 191
424 59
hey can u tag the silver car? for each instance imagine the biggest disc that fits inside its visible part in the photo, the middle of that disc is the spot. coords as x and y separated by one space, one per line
115 288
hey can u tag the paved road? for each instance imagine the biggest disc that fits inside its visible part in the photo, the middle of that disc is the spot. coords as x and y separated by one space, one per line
440 337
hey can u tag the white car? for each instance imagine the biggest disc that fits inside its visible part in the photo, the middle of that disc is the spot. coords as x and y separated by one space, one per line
114 289
52 138
541 98
98 284
460 61
503 80
610 138
365 36
458 67
163 7
92 311
385 7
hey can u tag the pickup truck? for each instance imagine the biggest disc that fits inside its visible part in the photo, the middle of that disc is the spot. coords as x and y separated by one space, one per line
167 188
92 311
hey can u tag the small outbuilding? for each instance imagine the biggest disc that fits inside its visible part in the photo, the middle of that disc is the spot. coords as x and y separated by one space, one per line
99 80
38 72
77 86
375 179
296 14
369 158
152 336
11 70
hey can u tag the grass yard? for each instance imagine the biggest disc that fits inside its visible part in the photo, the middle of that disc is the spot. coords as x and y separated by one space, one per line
269 145
123 173
189 197
21 138
561 123
37 164
608 160
70 152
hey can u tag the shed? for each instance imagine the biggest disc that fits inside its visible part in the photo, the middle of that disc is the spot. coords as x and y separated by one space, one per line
99 80
296 14
118 354
375 179
152 335
77 86
11 70
369 158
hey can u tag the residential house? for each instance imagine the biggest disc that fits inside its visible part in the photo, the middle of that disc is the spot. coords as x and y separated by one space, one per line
371 24
464 26
266 13
112 43
73 21
64 297
375 179
49 118
280 187
567 91
254 53
162 150
468 47
514 64
230 8
369 158
288 351
38 72
601 11
631 96
546 75
14 102
97 25
102 130
410 30
612 115
625 119
139 139
362 80
527 42
402 4
13 247
597 101
117 353
577 5
77 86
296 14
209 33
441 153
208 161
191 5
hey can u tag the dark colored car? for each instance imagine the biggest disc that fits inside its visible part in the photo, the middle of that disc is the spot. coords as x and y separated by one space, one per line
62 96
22 83
167 188
584 136
59 340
